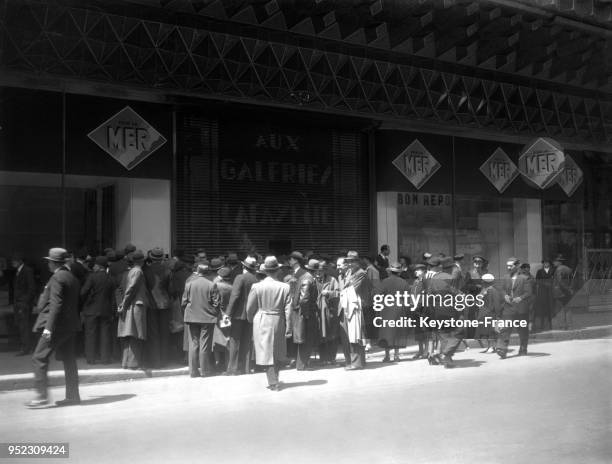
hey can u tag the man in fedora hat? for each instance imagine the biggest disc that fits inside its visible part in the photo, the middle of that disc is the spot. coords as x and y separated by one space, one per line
544 303
269 308
305 325
241 329
201 303
157 275
382 261
59 322
516 293
98 296
390 336
328 291
353 337
562 294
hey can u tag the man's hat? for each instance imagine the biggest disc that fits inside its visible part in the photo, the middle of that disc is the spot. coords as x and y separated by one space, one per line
271 264
129 248
447 262
313 265
434 261
156 254
351 257
119 254
215 264
560 257
134 256
57 255
488 278
458 256
232 259
419 266
395 267
250 263
202 268
478 258
525 266
513 260
224 272
102 261
297 255
426 256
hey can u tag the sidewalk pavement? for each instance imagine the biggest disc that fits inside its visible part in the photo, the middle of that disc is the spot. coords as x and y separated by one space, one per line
16 371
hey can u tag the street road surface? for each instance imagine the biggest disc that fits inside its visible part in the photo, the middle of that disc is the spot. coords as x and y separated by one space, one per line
552 406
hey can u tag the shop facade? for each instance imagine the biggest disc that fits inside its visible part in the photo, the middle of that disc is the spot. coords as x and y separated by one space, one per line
245 127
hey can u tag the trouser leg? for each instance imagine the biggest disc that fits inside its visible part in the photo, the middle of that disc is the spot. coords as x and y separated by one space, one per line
206 344
245 348
91 338
451 341
66 350
164 335
523 332
503 339
152 342
272 374
358 355
24 328
106 340
194 348
40 364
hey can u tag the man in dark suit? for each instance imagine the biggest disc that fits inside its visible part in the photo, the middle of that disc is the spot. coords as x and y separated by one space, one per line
305 325
241 329
516 291
562 294
59 322
24 294
98 295
382 261
201 302
440 285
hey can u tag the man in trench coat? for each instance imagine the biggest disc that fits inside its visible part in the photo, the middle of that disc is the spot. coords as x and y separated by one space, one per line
269 308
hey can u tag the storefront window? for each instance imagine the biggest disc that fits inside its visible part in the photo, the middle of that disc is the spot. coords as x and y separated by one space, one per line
425 223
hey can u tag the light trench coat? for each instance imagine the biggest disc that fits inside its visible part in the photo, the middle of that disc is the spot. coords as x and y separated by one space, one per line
269 309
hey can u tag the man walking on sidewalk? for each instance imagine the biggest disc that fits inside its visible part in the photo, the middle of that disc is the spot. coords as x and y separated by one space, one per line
59 322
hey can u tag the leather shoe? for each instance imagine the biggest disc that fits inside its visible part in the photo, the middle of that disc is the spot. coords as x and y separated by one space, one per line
351 368
386 359
522 353
38 403
68 402
501 353
396 359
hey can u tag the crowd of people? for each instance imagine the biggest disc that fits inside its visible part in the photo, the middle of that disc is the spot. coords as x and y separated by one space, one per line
232 316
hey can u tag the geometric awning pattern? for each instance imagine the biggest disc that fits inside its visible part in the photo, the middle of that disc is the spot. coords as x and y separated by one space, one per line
44 38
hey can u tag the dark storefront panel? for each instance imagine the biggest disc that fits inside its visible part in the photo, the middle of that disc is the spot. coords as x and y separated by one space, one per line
31 133
269 186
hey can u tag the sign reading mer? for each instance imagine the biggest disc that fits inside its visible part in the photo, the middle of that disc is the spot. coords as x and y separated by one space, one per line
127 137
542 162
416 164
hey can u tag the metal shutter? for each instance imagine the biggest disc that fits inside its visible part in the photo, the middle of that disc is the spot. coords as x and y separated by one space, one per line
233 205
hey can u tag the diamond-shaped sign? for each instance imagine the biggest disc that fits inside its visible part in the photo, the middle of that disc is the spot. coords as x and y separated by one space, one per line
541 162
500 170
127 137
416 164
571 177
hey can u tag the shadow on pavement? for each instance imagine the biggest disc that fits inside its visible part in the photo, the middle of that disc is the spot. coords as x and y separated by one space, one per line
309 383
106 399
532 355
459 363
